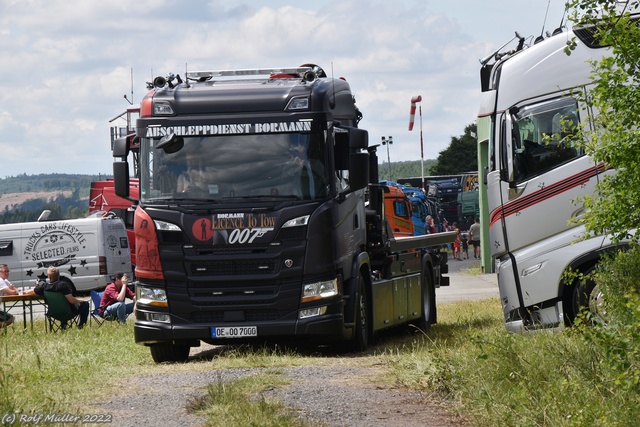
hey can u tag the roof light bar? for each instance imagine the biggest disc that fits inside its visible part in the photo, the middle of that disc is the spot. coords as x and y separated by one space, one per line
247 72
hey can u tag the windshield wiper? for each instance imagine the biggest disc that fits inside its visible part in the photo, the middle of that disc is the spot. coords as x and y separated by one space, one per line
264 197
194 200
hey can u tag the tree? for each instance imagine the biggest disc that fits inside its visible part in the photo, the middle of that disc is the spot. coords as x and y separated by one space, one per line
614 208
460 156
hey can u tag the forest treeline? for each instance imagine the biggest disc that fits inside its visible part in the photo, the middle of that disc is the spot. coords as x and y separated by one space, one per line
407 169
47 182
75 205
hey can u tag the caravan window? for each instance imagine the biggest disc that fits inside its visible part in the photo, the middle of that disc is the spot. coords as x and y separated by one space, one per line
6 247
545 136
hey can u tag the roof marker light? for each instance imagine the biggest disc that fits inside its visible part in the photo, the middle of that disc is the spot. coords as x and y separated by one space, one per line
301 103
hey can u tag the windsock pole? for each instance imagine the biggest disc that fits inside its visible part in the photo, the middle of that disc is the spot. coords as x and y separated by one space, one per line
412 114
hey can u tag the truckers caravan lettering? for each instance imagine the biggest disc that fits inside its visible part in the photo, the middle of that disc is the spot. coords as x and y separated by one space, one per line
87 251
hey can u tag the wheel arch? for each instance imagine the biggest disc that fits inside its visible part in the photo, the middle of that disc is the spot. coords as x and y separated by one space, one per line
361 268
582 265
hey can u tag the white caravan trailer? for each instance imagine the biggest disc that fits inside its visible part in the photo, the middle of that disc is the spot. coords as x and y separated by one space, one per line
87 251
534 176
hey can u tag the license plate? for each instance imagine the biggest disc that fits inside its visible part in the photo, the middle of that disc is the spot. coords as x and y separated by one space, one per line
234 332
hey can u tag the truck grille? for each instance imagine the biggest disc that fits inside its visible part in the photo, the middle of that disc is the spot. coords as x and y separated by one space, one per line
236 250
237 267
249 316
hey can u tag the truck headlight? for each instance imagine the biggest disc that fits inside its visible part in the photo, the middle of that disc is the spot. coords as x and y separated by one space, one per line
319 290
311 312
296 222
165 226
151 296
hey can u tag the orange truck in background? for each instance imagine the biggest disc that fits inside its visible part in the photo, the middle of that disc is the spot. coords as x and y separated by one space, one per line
398 212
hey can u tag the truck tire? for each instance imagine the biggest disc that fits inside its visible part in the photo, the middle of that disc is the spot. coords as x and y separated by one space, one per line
169 352
428 301
361 333
585 296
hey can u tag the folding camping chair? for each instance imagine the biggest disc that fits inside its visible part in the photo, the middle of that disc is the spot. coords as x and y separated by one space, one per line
96 298
59 314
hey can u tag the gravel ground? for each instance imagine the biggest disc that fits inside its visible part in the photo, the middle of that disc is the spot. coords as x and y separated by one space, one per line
329 396
324 396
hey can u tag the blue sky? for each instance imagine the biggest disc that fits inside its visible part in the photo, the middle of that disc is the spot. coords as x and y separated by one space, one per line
67 63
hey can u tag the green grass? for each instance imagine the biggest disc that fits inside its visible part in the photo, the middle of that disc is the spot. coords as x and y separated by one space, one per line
63 372
499 378
487 375
242 403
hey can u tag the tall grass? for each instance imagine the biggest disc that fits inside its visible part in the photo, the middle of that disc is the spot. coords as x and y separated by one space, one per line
64 372
584 376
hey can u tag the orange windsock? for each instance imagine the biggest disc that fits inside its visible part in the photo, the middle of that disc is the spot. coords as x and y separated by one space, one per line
412 113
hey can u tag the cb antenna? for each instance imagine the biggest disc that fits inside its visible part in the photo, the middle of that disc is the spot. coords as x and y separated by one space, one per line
544 23
561 21
130 101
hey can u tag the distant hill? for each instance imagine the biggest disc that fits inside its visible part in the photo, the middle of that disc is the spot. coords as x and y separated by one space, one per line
10 201
24 197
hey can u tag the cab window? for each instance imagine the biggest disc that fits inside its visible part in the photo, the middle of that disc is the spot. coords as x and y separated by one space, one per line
400 209
545 135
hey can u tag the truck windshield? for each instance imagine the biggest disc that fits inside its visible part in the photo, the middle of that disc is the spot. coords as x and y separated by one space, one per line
220 168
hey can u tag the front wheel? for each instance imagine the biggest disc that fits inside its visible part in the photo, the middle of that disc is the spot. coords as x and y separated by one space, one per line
169 352
361 334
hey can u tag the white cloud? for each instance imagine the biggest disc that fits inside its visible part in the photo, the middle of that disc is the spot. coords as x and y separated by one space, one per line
67 63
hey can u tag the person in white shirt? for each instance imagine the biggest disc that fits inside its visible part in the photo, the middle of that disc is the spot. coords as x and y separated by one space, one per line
6 288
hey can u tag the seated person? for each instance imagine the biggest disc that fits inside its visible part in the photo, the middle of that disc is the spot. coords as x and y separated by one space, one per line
194 177
5 319
56 285
6 288
113 304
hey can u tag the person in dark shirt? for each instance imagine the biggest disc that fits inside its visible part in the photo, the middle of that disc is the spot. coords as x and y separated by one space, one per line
56 285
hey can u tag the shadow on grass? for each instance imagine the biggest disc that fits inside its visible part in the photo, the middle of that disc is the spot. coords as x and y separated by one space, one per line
395 338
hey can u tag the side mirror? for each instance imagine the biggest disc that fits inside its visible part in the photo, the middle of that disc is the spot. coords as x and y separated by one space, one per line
358 139
121 147
358 170
121 178
170 143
